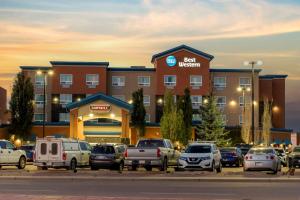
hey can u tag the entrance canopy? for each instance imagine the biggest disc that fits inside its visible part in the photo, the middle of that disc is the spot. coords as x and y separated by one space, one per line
98 106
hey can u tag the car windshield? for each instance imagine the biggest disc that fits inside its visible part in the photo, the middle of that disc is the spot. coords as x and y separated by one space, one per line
151 143
27 148
296 149
279 150
227 150
198 149
261 151
103 150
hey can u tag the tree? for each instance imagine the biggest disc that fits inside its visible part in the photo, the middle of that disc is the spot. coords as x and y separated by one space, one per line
138 113
266 122
172 123
185 105
246 125
212 126
21 106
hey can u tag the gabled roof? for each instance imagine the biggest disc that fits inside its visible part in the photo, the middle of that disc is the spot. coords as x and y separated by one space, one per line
272 76
100 96
205 55
78 63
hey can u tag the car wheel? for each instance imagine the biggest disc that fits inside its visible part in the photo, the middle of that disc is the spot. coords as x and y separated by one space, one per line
164 165
72 164
219 169
148 168
212 169
133 167
22 163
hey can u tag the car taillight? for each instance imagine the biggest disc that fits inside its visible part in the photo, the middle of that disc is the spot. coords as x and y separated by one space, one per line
233 154
250 157
126 154
158 152
246 157
272 157
64 156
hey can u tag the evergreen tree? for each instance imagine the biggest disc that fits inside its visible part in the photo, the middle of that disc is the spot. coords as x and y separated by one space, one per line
21 106
185 105
138 113
212 127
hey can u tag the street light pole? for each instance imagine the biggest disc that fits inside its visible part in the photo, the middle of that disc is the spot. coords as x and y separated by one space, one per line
252 63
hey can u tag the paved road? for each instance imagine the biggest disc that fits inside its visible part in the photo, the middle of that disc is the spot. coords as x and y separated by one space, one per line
145 190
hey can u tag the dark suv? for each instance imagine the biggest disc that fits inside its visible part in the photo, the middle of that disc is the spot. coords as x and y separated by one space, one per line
107 156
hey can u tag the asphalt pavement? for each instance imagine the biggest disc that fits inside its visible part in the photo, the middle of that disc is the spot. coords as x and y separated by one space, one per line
155 190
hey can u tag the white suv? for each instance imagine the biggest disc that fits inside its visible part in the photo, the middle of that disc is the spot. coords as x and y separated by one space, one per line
11 156
201 156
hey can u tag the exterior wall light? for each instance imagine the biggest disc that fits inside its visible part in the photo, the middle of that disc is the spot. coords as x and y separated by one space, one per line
112 115
232 103
91 115
130 101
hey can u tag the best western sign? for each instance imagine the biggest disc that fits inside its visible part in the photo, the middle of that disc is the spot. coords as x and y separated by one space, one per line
185 63
100 108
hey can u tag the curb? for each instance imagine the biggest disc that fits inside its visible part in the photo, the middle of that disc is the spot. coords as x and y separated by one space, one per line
185 179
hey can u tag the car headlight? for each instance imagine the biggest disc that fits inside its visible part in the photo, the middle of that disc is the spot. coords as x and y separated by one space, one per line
183 158
205 158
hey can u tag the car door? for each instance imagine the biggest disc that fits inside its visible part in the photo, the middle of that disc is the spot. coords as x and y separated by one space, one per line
13 153
85 153
42 149
55 150
3 152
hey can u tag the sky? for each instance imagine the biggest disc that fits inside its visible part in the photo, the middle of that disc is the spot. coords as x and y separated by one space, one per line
129 32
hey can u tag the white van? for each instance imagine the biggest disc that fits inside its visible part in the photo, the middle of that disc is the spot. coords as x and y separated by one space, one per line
67 153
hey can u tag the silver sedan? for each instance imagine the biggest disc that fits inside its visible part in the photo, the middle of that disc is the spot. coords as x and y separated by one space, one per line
262 159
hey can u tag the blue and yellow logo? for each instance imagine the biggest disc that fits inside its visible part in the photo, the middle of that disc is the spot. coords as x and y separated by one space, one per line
171 61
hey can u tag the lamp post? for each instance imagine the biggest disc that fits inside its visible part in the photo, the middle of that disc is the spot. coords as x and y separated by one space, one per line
252 63
44 73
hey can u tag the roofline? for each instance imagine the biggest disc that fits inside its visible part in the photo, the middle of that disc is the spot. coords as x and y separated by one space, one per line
35 67
123 69
100 96
205 55
78 63
234 70
273 76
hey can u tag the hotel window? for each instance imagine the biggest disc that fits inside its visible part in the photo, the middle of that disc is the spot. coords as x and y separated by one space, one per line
38 117
144 80
196 101
92 80
118 81
146 100
220 82
39 100
221 101
64 117
196 117
39 80
65 99
120 97
147 117
170 80
241 121
241 99
245 82
195 81
66 79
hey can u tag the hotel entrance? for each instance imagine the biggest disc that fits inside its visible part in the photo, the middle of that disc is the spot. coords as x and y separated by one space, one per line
100 106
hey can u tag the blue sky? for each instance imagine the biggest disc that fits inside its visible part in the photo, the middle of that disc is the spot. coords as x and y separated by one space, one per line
130 32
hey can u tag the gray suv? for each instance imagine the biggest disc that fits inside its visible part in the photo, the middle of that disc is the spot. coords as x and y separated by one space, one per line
107 156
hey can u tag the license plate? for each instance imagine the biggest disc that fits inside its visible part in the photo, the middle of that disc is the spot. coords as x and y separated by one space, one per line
101 157
193 159
259 164
142 162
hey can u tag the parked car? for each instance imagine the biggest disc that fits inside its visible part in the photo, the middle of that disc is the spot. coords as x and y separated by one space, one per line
11 156
282 155
107 156
150 153
294 157
244 148
29 150
262 159
231 156
201 156
67 153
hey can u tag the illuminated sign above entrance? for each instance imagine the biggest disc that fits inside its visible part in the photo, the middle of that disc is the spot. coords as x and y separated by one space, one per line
100 108
186 63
